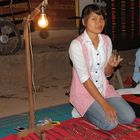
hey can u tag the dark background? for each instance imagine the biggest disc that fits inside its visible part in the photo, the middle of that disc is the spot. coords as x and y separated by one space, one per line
123 18
123 23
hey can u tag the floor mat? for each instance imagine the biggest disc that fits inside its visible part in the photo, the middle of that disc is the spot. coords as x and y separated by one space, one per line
56 113
80 129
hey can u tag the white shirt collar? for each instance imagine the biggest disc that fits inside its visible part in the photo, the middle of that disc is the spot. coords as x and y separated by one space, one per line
87 39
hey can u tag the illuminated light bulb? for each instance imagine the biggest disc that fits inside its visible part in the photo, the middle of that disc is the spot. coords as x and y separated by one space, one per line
43 21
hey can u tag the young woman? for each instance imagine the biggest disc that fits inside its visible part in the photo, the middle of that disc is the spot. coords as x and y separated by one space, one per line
91 55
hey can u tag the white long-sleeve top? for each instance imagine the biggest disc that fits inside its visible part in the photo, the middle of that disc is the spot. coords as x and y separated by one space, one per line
97 59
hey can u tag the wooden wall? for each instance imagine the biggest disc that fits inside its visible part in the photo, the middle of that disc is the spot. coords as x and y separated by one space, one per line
123 23
58 11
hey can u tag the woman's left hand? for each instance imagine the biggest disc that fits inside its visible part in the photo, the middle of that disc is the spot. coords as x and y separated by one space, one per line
115 59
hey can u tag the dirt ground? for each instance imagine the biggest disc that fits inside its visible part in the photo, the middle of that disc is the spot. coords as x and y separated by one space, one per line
52 73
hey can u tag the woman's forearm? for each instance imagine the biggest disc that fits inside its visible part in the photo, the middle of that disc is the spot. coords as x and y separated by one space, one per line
109 70
93 91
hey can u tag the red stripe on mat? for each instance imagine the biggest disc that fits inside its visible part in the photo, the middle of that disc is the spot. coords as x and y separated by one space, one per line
132 98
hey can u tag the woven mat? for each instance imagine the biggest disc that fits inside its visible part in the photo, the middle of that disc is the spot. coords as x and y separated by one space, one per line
80 129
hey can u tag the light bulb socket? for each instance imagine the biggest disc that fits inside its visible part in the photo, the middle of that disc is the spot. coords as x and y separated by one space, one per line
43 9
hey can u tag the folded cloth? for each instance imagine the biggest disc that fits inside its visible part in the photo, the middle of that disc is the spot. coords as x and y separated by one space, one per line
75 113
126 91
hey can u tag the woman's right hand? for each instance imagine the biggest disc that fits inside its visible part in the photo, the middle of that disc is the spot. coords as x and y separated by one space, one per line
110 113
115 59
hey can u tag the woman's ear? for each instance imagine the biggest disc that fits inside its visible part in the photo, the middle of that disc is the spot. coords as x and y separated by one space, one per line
83 22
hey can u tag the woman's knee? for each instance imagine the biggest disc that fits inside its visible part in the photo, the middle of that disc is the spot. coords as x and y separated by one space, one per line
108 126
129 118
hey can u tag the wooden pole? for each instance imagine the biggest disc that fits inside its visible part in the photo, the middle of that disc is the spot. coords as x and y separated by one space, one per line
29 73
27 40
77 12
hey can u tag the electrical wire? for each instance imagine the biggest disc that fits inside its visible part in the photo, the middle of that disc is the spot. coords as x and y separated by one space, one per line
32 63
10 5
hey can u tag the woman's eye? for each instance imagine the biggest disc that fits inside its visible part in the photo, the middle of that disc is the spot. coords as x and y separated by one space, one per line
101 18
94 19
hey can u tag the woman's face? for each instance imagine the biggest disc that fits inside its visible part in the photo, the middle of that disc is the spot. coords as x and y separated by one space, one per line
95 23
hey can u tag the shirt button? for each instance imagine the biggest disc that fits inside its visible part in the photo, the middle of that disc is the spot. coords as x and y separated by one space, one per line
96 81
97 53
96 72
98 63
